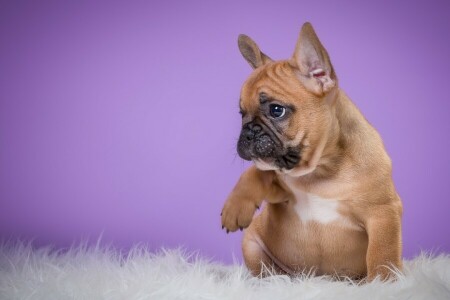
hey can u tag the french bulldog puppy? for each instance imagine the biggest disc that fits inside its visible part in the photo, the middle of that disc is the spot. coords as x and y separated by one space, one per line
331 205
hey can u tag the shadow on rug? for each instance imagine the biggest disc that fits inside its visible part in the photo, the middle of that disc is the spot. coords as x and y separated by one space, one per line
104 273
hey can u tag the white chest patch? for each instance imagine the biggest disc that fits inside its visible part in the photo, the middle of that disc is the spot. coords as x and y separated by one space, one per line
310 207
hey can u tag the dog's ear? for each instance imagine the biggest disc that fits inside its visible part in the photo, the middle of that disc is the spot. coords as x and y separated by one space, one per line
250 51
315 69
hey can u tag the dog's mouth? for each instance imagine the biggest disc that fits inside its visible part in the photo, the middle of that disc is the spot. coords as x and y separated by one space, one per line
259 144
267 156
287 161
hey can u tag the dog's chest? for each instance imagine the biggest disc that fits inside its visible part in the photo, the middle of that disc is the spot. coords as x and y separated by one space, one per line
313 208
310 207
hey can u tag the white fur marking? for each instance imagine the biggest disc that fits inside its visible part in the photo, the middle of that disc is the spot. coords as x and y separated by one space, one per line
310 207
264 166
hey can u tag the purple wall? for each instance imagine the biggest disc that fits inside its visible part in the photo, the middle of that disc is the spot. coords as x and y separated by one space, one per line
123 118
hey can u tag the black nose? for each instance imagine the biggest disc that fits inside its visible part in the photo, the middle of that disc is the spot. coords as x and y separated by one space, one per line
248 134
250 131
255 127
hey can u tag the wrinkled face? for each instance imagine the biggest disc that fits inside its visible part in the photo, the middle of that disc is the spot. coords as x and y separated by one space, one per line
282 122
286 106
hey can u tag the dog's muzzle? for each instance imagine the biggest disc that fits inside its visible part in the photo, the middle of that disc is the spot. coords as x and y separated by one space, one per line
256 142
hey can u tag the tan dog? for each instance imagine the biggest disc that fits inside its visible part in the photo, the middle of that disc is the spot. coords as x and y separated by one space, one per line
321 167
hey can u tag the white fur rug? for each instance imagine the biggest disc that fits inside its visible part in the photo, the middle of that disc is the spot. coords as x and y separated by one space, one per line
104 273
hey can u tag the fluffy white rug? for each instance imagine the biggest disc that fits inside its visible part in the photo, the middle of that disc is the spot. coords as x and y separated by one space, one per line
104 273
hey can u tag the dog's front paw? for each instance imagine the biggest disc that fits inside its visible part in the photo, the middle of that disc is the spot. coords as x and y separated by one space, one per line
237 214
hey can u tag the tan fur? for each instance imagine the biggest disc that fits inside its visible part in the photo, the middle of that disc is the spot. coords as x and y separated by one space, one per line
343 158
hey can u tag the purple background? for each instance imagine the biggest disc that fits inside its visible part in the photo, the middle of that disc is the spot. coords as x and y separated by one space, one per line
122 118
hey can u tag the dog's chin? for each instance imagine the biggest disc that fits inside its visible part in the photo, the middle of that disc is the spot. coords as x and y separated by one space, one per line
265 164
268 164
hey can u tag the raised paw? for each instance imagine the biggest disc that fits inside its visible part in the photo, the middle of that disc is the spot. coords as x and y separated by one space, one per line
237 214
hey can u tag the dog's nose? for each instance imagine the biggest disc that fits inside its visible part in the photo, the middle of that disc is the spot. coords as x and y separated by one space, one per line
255 128
248 134
250 131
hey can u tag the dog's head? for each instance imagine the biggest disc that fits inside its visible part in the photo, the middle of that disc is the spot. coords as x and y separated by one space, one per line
287 105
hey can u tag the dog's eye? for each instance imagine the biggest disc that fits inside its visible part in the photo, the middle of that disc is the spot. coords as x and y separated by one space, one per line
277 111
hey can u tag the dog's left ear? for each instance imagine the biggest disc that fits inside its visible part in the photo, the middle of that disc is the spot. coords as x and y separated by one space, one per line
315 69
250 51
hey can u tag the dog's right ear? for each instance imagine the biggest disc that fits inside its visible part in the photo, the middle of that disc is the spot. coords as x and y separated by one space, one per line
250 51
316 71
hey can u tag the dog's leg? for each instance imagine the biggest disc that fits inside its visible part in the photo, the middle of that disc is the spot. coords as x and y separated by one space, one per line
252 188
385 247
256 256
